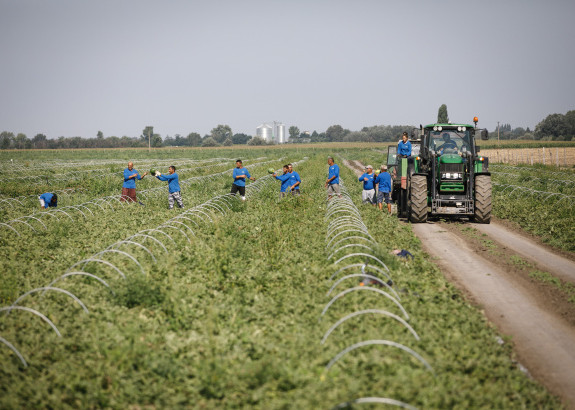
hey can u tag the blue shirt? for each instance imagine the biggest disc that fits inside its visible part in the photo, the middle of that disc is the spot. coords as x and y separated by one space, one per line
369 183
238 172
384 181
333 171
47 197
130 183
173 182
404 148
285 179
294 178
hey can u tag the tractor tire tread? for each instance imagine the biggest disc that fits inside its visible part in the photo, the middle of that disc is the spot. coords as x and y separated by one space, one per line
418 203
482 212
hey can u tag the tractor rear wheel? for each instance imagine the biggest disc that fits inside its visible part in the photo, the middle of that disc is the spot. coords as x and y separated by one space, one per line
482 213
418 203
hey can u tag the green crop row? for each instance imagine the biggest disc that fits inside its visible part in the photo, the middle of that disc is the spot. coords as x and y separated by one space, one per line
539 199
230 320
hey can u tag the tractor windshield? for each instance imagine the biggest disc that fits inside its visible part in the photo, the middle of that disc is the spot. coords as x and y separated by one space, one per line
450 141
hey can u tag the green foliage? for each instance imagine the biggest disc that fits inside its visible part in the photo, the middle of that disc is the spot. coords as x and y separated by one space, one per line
547 216
557 127
221 133
442 116
231 320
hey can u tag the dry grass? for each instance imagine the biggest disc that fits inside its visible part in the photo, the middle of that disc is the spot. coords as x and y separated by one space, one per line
560 157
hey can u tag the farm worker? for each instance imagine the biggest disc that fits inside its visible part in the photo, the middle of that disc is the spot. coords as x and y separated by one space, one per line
368 194
240 174
129 186
294 182
173 187
448 143
384 190
404 147
48 200
332 182
285 180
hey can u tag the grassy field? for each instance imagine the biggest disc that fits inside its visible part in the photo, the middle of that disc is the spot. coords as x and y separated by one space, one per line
231 318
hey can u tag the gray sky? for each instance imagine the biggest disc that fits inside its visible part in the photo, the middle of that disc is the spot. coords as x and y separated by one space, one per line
74 67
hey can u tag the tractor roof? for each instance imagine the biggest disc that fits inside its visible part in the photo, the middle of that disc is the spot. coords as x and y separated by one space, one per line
448 125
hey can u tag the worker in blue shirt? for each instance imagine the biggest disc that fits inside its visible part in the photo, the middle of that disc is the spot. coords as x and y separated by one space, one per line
240 174
294 182
384 188
404 146
173 187
48 200
284 179
129 185
368 194
332 182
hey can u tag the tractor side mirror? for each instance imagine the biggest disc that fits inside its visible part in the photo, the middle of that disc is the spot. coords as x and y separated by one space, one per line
484 134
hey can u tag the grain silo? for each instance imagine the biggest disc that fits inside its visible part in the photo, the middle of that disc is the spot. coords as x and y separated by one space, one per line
265 131
280 132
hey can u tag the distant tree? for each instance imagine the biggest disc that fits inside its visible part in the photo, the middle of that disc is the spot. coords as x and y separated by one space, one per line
39 141
240 139
552 127
442 117
357 136
194 139
336 133
6 139
169 141
293 132
148 131
228 142
518 132
100 135
257 140
570 125
221 132
21 141
156 140
210 142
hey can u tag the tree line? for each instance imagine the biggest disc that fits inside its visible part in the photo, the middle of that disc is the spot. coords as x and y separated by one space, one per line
221 135
555 127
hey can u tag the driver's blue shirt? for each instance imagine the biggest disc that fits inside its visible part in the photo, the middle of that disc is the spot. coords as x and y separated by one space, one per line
449 144
404 148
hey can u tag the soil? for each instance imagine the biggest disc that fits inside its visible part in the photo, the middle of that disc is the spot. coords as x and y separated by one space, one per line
491 265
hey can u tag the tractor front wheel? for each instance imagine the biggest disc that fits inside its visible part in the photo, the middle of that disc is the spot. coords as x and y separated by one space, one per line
418 203
482 213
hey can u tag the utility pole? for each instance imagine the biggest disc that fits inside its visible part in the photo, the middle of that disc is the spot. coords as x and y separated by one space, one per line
498 133
150 137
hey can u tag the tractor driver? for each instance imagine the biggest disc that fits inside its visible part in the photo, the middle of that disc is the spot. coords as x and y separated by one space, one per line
448 143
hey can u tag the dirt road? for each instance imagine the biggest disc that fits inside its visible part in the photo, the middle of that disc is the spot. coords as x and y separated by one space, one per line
543 340
491 264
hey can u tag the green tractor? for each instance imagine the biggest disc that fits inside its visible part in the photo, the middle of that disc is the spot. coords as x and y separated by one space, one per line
444 176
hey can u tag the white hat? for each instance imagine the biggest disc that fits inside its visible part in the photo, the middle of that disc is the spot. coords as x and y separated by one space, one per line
369 167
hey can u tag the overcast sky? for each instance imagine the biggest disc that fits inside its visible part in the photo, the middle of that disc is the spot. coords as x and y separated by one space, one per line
72 68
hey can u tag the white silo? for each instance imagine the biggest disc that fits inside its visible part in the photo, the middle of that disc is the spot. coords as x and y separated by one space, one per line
265 131
280 132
